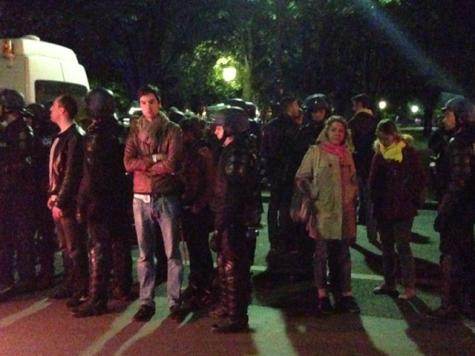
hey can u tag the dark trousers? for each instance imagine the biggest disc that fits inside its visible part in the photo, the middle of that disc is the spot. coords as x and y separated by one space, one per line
121 234
365 210
16 238
335 254
72 242
280 225
234 272
196 231
100 246
46 242
458 261
397 234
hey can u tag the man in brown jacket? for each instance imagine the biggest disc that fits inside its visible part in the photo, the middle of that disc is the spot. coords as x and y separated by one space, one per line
153 154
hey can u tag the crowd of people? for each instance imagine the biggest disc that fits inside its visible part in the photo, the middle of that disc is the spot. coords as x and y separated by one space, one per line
200 182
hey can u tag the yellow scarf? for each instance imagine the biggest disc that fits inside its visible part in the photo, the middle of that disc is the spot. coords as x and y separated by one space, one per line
392 152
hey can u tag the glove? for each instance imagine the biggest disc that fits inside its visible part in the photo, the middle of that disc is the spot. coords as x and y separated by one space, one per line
440 223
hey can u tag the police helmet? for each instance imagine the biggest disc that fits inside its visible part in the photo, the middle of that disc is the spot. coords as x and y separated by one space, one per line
317 102
100 103
37 112
462 108
11 100
233 119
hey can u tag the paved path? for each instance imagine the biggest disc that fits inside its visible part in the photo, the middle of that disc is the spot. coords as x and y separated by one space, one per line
281 319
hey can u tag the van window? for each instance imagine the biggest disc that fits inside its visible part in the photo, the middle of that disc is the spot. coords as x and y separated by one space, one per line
47 90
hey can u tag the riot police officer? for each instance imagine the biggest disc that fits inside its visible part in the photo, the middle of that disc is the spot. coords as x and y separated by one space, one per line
236 209
102 204
16 191
456 212
38 118
317 109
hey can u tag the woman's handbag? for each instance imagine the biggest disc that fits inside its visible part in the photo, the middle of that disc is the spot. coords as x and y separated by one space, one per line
300 207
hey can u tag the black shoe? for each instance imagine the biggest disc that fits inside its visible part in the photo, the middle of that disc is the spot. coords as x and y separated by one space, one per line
347 305
90 308
231 326
75 301
6 291
62 293
25 287
145 313
218 312
383 290
446 313
176 312
324 306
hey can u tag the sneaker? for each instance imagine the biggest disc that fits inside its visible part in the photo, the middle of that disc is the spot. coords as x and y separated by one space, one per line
145 313
347 304
384 290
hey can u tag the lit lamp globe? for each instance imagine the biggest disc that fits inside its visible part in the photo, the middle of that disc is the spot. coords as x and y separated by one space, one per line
383 104
415 109
229 74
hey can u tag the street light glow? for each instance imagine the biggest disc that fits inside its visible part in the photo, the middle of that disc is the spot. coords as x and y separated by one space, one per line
229 73
383 104
415 109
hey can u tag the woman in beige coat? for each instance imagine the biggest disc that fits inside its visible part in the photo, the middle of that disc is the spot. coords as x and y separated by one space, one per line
327 177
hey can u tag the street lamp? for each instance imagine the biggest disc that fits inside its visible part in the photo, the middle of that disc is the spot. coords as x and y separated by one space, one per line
415 108
229 73
383 104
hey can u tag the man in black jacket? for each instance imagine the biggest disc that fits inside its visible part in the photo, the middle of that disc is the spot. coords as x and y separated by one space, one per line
102 204
236 206
363 133
65 171
16 191
282 158
456 213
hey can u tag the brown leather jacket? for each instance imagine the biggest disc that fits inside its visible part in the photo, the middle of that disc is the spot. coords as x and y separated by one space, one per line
153 153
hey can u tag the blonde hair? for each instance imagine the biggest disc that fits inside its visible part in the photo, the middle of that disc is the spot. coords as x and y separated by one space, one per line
323 137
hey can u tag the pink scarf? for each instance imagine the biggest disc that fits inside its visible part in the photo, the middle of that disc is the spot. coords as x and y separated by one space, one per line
337 150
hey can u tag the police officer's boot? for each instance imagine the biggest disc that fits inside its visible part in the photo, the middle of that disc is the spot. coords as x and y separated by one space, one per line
237 300
220 309
96 303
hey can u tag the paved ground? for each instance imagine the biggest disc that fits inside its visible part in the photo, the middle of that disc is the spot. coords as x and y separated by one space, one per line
280 317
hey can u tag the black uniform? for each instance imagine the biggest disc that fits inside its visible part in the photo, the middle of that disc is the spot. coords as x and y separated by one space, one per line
16 198
45 133
236 206
103 206
456 216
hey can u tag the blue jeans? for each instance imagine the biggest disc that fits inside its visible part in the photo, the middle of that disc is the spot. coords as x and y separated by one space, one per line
165 211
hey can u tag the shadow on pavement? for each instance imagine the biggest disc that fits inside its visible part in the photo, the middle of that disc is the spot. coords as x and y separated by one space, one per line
427 273
432 336
308 333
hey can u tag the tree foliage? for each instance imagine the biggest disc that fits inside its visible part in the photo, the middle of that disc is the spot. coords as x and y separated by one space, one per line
400 49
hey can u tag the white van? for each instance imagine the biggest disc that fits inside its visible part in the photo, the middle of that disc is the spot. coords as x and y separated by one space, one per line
41 70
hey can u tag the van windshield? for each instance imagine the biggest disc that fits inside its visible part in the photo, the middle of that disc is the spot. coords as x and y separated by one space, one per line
47 90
